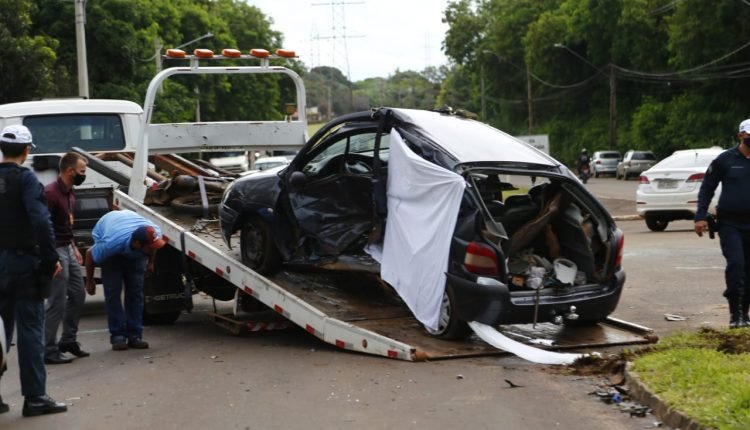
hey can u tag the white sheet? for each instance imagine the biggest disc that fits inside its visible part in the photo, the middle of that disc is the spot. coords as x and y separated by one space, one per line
423 203
535 355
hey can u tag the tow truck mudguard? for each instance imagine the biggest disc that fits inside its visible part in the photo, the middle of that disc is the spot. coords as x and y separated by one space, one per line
478 301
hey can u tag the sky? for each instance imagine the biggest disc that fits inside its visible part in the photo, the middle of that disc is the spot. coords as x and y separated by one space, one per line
382 35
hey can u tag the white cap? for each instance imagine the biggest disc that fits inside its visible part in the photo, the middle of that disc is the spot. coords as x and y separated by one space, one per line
16 134
745 126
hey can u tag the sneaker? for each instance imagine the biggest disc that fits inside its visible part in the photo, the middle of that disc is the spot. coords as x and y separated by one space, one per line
42 405
3 406
119 346
73 348
138 343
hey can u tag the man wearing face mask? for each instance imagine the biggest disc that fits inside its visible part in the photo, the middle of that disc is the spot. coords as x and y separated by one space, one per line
731 169
68 294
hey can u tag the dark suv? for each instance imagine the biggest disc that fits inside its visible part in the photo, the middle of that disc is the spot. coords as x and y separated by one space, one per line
521 219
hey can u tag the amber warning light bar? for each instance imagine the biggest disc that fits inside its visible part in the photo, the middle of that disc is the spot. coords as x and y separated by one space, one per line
207 54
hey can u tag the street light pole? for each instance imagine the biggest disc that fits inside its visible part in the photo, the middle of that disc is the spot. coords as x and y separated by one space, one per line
83 74
612 93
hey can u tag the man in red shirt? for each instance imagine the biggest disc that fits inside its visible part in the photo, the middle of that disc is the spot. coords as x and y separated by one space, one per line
67 296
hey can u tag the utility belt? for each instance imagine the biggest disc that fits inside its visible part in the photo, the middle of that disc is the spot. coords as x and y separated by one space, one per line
33 282
18 250
732 216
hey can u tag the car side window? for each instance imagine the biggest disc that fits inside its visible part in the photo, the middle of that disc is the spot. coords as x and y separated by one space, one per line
326 160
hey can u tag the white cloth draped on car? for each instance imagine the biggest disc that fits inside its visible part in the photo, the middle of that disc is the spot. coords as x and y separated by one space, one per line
423 204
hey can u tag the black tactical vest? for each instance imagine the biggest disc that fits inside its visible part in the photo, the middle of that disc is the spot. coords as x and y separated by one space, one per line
15 224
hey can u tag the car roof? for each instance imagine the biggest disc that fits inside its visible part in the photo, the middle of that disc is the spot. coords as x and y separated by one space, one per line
711 150
610 151
469 141
68 106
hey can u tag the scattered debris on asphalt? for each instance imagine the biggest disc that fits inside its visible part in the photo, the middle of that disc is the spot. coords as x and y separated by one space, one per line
512 385
673 317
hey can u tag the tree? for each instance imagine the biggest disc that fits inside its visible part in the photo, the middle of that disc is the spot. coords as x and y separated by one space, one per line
28 60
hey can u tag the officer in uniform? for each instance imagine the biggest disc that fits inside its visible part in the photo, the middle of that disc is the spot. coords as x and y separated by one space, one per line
732 169
28 262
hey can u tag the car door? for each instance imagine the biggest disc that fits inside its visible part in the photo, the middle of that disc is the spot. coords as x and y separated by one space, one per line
333 204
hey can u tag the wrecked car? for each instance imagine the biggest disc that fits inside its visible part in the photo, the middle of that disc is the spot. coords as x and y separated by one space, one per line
465 222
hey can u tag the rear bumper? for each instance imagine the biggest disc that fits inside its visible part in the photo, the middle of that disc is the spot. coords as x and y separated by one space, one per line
490 302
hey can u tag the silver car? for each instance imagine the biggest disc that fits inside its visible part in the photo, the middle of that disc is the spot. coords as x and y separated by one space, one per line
634 163
605 162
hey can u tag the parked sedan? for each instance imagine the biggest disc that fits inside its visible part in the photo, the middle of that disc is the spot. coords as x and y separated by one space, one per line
633 163
669 190
605 162
465 222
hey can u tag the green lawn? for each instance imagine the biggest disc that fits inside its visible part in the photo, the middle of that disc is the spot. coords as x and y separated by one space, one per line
706 375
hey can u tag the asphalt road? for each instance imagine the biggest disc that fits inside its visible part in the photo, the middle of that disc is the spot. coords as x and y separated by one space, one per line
198 376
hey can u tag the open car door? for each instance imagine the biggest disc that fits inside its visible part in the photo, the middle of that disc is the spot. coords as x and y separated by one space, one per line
333 203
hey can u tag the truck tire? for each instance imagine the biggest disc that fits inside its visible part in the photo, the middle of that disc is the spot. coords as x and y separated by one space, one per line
257 247
449 326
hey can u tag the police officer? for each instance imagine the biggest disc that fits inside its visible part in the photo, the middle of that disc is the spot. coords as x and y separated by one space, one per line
732 169
28 262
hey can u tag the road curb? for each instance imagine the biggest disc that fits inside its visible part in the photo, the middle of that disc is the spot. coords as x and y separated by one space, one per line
668 415
627 217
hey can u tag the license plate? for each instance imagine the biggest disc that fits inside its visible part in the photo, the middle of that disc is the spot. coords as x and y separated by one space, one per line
667 184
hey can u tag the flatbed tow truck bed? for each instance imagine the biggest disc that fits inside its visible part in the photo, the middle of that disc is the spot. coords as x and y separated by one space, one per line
354 312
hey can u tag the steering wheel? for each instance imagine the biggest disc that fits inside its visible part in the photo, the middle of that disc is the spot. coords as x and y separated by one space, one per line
355 165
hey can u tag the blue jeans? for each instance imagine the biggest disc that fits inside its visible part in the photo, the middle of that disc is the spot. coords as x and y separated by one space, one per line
735 245
118 272
27 314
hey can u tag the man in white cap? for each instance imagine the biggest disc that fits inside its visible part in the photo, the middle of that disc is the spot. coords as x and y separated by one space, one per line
28 262
732 169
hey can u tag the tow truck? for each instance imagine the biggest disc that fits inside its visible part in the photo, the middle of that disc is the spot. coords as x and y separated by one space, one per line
348 312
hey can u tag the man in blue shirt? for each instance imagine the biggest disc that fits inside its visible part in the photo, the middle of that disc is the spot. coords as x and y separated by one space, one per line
28 262
125 245
732 169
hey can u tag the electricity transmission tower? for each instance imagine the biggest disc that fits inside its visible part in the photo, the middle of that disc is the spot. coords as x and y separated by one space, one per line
339 50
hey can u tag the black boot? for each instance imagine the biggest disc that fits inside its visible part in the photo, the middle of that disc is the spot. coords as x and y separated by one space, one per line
42 405
735 315
3 406
745 308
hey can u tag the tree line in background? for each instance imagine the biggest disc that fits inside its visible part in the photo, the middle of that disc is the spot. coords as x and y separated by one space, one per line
673 71
640 74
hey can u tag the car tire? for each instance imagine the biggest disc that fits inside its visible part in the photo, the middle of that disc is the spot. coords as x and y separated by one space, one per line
258 250
656 224
596 174
449 325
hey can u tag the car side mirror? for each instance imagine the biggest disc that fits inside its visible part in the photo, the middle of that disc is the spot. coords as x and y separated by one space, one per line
297 180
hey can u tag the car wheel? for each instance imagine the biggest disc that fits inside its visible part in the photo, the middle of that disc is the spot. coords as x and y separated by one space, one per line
655 224
596 174
449 326
258 250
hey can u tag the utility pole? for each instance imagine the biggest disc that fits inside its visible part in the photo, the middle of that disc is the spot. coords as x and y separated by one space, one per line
612 107
481 88
83 74
157 53
529 100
